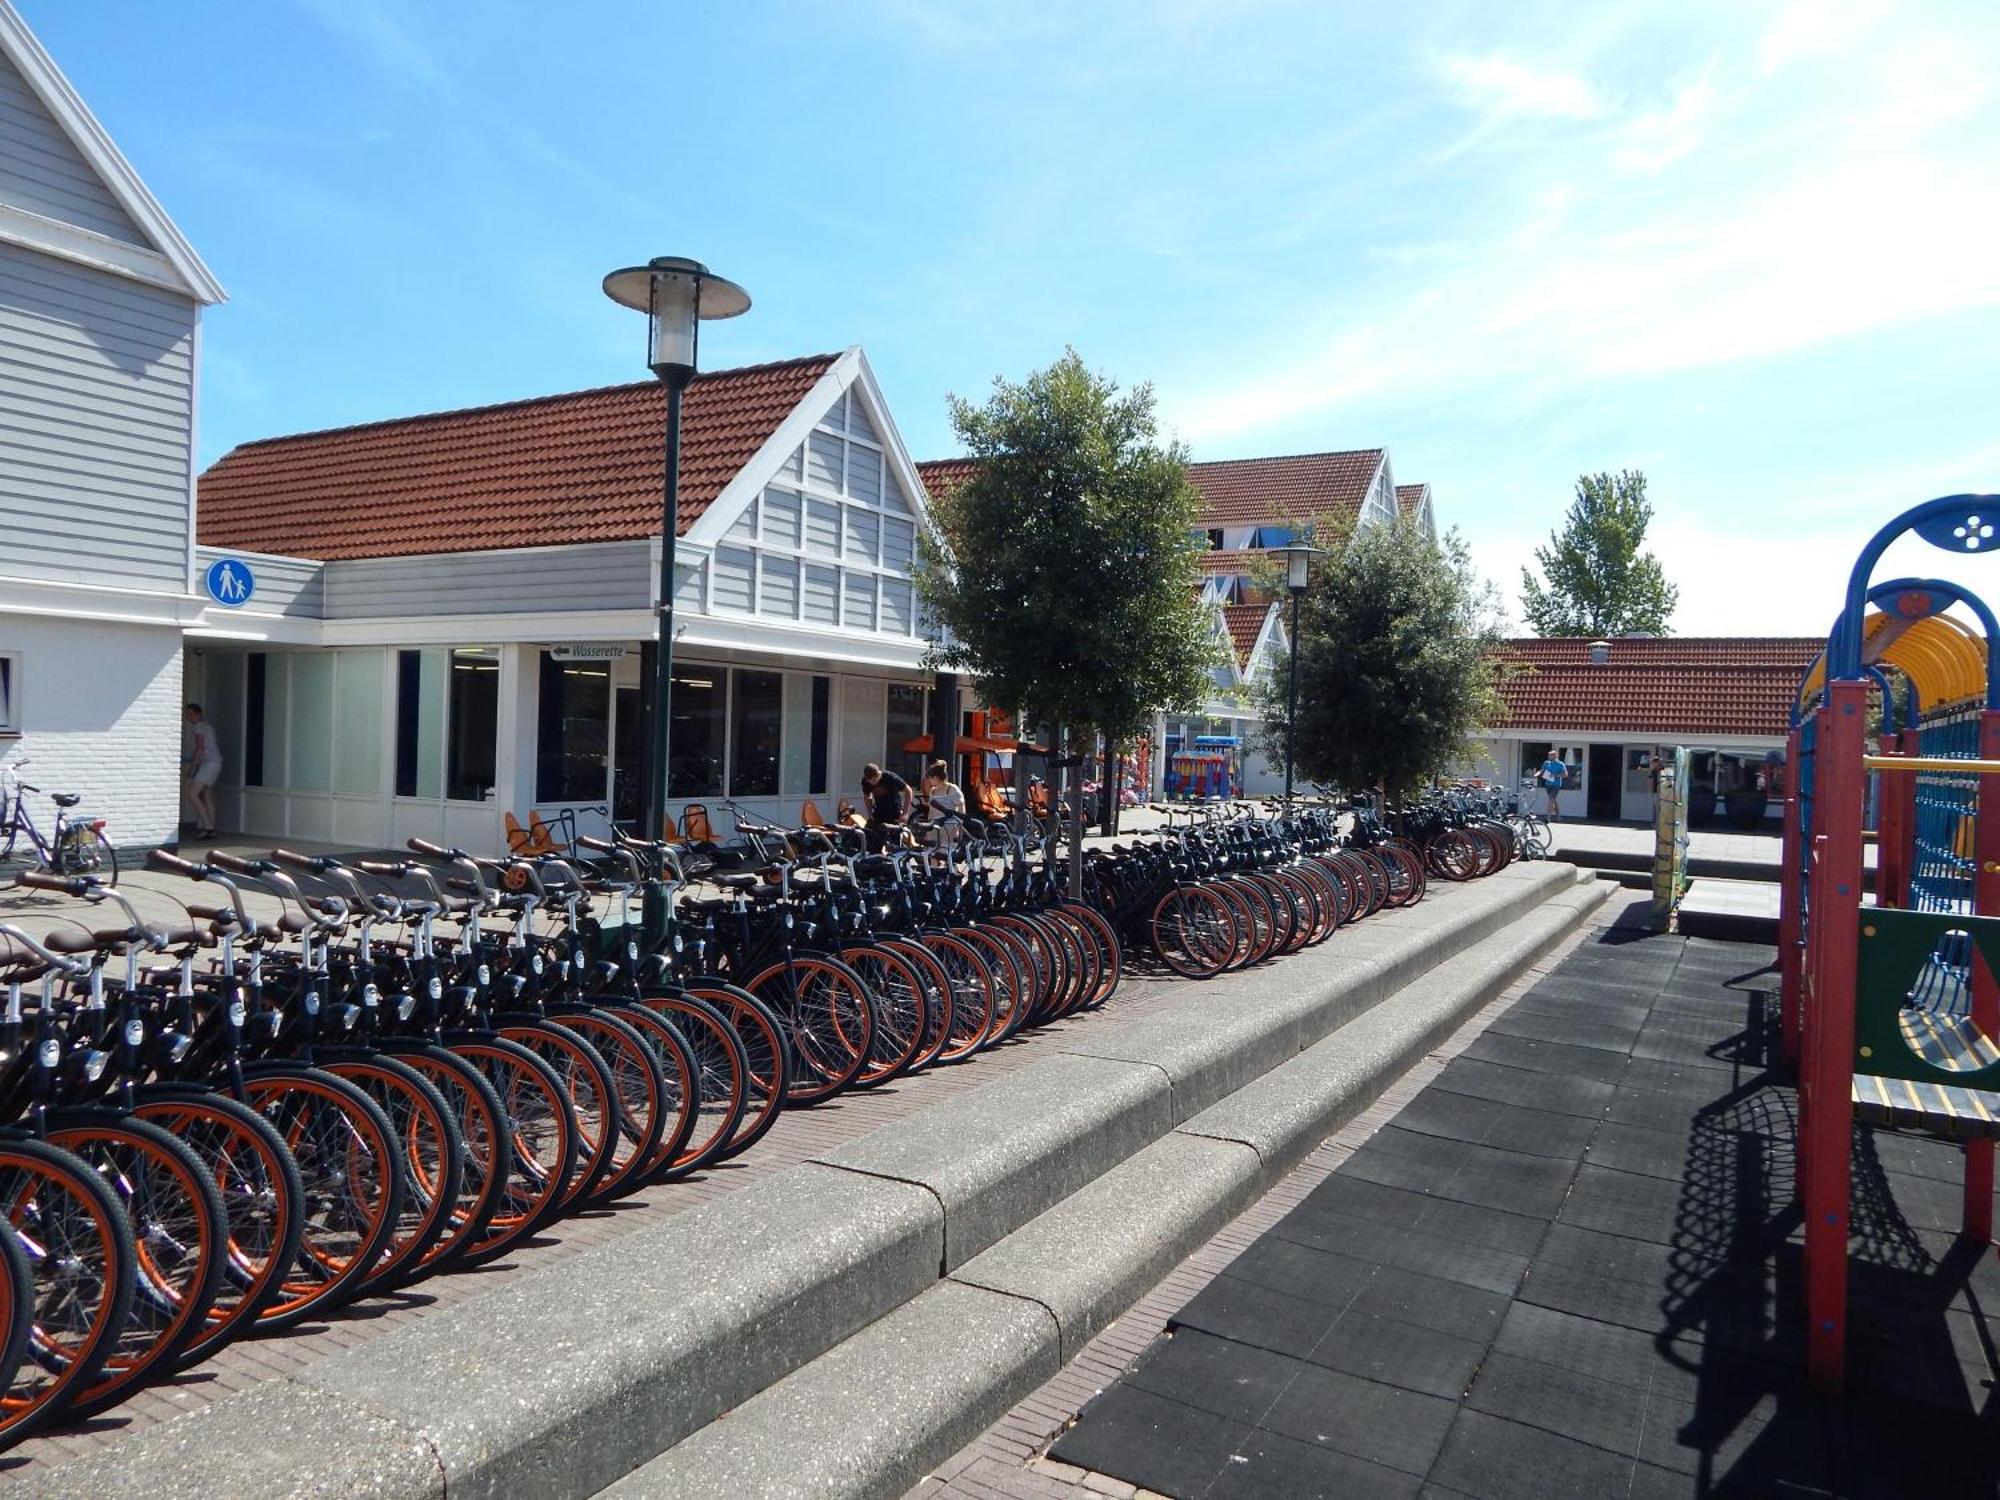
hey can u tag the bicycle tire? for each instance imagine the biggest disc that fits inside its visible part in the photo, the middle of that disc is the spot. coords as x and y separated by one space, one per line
541 1137
430 1155
83 1266
487 1141
720 1068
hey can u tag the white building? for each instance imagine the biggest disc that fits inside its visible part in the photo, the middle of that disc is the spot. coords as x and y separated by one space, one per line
451 616
100 308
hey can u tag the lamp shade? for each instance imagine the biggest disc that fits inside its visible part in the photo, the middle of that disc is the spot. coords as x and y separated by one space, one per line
1298 558
677 295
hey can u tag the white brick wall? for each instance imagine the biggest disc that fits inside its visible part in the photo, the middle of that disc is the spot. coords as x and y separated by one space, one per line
100 709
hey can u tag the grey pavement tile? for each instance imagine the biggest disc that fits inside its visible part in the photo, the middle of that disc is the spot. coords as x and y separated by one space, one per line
1296 1270
1647 1208
1484 1122
1365 1419
1399 1354
1410 1249
1233 1380
1251 1314
1484 1080
1471 1173
1638 1148
1151 1441
1543 1056
1271 1466
1452 1307
1495 1459
1323 1217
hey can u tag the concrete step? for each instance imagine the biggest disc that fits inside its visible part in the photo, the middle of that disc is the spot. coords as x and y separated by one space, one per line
1735 911
873 1414
566 1379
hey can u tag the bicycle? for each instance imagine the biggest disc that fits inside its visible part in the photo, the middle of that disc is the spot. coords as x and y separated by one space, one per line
76 846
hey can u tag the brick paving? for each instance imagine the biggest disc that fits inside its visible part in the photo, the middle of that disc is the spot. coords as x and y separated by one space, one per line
1007 1461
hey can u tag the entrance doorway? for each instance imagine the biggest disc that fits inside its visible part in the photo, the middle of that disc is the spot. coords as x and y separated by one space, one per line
1605 785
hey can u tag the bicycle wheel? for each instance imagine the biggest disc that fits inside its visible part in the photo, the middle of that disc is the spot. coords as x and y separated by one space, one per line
17 1305
1193 930
263 1199
86 851
1009 985
486 1145
720 1072
430 1155
828 1019
541 1140
348 1157
587 1090
971 993
649 1103
901 1021
768 1066
83 1265
937 998
179 1229
1110 954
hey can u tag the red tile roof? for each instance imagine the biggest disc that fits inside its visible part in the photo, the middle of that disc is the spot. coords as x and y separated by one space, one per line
1245 623
1409 497
1672 686
1259 491
1244 491
586 466
1233 561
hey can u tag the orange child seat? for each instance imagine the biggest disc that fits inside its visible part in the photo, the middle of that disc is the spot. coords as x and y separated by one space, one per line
695 825
537 838
809 815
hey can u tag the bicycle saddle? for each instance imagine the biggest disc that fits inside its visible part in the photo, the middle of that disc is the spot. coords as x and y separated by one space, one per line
65 799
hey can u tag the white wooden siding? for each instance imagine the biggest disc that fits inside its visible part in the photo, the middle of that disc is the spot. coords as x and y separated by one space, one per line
41 171
291 586
610 575
96 393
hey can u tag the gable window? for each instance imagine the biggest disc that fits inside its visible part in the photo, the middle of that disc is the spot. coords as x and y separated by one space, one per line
10 692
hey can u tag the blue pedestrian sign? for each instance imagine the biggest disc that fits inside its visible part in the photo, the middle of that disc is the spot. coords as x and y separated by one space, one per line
231 582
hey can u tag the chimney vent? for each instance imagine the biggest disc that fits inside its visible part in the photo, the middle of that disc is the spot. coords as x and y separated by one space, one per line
1600 653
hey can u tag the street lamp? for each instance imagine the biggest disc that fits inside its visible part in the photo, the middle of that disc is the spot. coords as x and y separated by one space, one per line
675 294
1298 558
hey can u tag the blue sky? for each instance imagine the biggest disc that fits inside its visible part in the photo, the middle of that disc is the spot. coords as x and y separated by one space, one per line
1751 249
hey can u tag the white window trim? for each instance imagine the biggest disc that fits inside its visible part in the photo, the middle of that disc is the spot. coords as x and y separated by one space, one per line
11 716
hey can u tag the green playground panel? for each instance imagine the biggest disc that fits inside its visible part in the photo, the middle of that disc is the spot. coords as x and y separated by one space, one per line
1895 947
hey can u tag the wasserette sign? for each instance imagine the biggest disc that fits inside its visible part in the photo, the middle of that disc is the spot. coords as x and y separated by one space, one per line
588 651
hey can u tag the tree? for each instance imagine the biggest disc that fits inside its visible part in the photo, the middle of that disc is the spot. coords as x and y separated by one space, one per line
1394 632
1063 570
1599 582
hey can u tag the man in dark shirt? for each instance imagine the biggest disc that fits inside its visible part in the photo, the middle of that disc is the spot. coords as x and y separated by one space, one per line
888 797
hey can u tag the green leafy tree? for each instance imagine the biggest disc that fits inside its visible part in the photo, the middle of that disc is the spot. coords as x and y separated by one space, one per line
1599 582
1063 571
1394 677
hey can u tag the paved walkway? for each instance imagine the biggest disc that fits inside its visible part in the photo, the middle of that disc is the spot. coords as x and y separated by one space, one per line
1569 1266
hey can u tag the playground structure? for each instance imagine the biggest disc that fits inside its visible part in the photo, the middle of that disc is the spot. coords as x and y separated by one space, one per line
1891 1012
1210 765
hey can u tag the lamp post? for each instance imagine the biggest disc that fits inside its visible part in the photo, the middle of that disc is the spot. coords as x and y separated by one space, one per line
675 294
1298 558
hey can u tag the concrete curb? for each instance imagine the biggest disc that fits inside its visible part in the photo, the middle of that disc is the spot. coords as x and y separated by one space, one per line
1088 1258
565 1380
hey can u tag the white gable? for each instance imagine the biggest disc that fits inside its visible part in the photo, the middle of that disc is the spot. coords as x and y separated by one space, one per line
66 191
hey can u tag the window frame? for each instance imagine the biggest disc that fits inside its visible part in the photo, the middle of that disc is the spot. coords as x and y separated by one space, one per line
11 716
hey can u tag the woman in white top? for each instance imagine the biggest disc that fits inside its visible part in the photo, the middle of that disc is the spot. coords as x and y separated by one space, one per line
204 764
943 801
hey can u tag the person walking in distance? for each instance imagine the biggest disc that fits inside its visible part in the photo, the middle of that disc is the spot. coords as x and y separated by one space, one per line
204 764
1551 776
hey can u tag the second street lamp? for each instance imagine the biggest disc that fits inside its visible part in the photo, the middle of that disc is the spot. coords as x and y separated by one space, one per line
1298 558
676 295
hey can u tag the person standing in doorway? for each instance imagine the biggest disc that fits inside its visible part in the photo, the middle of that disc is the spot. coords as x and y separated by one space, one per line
203 765
1552 776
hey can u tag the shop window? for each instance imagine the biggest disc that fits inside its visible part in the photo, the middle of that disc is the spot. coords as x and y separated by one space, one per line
256 678
755 728
1534 752
471 745
357 723
906 721
694 751
572 731
447 722
808 705
822 719
10 692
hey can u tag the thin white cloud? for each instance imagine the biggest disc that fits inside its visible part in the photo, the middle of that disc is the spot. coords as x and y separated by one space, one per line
1502 88
378 36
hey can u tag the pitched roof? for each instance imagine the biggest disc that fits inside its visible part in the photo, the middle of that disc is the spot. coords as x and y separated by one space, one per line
1232 561
1670 686
586 466
1409 497
1254 491
1245 623
1243 491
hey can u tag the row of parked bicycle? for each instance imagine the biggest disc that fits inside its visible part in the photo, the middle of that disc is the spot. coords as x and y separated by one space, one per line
250 1119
